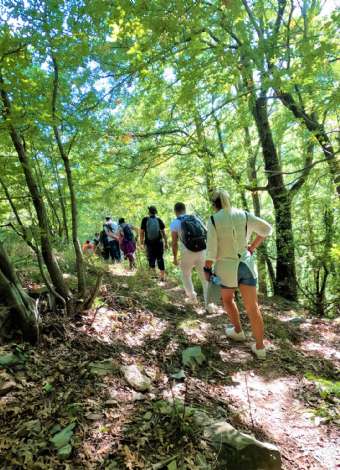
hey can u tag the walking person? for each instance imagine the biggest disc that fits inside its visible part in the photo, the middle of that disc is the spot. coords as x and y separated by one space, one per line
88 248
128 241
229 230
189 238
153 236
111 240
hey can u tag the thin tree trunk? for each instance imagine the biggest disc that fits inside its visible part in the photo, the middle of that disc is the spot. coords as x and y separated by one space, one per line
262 250
48 196
74 208
230 170
204 155
318 130
46 247
61 201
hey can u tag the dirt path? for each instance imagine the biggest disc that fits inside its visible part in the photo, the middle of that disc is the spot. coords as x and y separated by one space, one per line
139 321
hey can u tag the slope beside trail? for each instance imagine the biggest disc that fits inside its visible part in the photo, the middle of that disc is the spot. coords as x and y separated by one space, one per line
138 321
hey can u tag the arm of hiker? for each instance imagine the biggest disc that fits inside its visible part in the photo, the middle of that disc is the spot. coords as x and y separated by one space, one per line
142 236
165 239
211 253
163 234
136 232
261 228
174 244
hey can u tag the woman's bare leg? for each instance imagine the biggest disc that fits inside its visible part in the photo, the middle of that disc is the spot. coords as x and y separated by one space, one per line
231 308
249 296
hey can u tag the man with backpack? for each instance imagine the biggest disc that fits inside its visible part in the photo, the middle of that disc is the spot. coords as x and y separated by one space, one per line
152 234
128 241
111 240
189 236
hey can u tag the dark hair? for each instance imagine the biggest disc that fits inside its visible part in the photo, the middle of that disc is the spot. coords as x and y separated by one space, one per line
107 218
152 210
121 220
217 203
179 207
88 241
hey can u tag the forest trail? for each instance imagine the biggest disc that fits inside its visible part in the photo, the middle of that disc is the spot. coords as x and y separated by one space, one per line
142 322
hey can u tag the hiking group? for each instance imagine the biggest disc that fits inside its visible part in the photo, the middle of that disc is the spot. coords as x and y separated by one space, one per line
220 254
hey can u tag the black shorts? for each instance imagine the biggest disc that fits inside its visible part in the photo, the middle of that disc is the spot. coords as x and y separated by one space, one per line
155 252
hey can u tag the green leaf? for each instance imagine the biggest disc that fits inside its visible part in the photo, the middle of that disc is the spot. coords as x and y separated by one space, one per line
10 360
172 465
63 437
193 356
65 452
48 387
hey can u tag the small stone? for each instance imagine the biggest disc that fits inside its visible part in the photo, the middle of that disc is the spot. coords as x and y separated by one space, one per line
93 416
7 387
248 451
137 396
111 403
135 378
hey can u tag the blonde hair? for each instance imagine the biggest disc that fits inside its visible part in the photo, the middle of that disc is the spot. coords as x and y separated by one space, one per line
222 196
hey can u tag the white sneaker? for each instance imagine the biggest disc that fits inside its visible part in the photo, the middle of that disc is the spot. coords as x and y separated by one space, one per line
211 308
231 333
259 353
191 300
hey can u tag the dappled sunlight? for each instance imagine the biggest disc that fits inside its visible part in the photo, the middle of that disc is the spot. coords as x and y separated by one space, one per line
272 405
195 329
235 355
321 349
147 331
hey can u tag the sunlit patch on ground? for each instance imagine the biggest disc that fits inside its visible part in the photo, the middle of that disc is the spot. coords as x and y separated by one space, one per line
321 349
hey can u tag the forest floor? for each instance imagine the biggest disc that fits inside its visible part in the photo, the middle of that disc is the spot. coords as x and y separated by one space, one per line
290 399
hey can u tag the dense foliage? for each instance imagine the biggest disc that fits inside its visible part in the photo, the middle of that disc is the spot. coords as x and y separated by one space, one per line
106 108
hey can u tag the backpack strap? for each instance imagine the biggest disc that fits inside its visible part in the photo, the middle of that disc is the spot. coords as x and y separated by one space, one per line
213 221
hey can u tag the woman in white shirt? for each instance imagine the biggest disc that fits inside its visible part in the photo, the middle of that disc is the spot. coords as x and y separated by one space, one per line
229 230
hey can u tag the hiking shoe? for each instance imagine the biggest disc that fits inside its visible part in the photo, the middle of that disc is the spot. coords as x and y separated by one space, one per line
211 308
231 333
259 353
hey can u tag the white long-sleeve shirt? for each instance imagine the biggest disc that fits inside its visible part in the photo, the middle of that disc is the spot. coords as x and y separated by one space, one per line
227 242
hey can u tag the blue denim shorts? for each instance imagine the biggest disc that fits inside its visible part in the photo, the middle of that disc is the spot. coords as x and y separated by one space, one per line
244 276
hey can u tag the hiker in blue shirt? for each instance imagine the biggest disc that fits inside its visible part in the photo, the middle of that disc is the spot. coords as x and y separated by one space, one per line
152 235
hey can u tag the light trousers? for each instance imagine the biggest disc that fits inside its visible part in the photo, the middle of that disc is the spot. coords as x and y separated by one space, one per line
189 261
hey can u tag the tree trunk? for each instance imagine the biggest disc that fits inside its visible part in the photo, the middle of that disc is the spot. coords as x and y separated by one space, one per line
229 168
23 308
286 282
61 201
252 176
46 247
56 226
74 208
